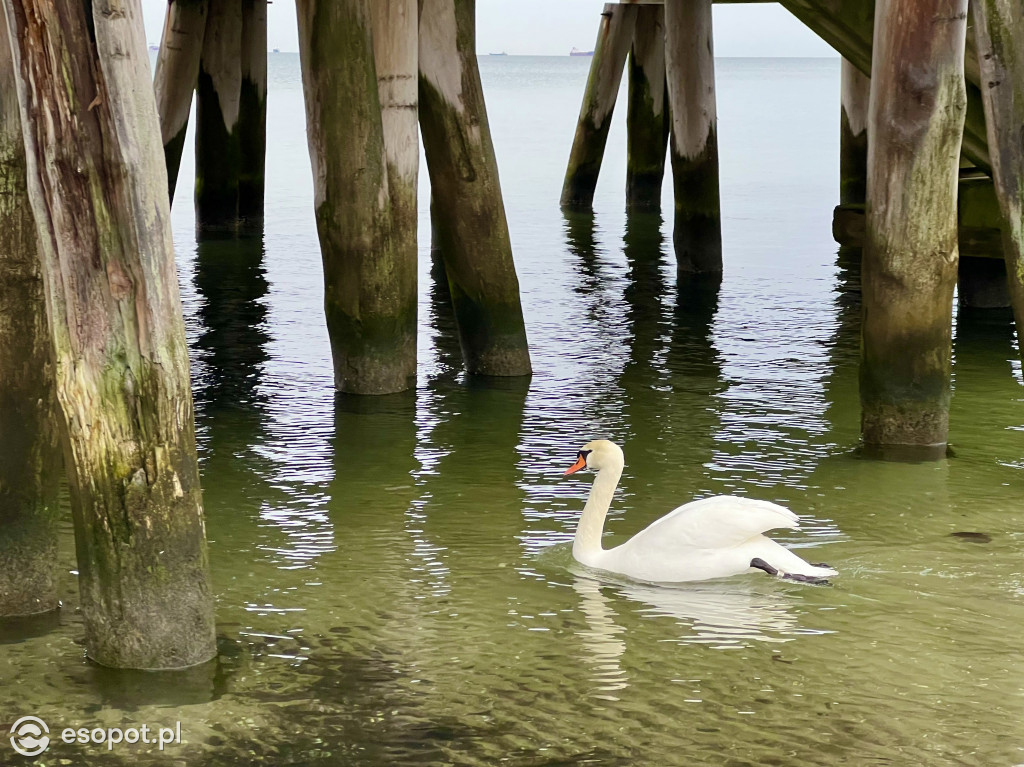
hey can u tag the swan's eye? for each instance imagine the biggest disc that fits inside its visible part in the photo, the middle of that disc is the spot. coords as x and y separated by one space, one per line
581 462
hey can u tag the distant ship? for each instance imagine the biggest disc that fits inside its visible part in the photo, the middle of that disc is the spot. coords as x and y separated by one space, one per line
498 54
154 47
277 50
578 52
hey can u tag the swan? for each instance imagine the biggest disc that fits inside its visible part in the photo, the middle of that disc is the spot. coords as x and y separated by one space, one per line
711 538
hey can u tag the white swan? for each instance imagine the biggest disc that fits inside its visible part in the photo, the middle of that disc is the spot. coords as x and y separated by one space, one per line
710 538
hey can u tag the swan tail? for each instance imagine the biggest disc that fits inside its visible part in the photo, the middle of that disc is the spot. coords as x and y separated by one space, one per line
782 562
813 573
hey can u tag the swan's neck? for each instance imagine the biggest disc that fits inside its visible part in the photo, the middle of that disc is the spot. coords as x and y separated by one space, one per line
587 543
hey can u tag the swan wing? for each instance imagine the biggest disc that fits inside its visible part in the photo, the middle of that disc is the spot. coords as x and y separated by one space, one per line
719 522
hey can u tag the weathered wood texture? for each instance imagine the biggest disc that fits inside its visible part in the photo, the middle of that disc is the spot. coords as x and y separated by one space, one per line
979 220
647 118
690 65
468 212
853 135
999 30
847 25
98 189
177 68
369 293
614 39
231 112
29 450
915 123
396 54
252 116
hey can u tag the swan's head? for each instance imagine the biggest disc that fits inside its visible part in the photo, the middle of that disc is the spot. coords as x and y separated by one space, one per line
597 455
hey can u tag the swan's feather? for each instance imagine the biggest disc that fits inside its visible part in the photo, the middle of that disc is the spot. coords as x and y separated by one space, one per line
719 522
710 538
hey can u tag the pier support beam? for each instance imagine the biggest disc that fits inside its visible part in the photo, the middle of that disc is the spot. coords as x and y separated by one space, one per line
29 451
231 113
369 292
396 54
917 109
853 136
847 25
467 210
690 72
177 68
98 189
999 31
848 216
614 38
252 117
647 120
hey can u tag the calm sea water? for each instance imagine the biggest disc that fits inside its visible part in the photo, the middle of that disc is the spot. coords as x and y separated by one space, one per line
393 576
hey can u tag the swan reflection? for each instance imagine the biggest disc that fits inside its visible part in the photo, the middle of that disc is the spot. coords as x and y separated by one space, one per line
601 639
720 614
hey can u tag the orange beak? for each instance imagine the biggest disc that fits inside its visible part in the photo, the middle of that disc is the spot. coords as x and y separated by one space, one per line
581 463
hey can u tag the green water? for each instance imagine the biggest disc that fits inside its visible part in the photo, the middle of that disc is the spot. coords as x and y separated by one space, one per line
393 576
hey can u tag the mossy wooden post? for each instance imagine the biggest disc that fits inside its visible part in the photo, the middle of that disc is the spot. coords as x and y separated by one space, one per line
371 310
915 125
252 117
614 38
468 211
231 119
29 450
999 31
853 135
647 120
396 54
690 72
177 67
98 189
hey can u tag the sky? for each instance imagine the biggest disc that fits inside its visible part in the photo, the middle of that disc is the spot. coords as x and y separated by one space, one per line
552 27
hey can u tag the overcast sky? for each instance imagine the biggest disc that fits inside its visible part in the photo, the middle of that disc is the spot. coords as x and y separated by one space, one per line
552 27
